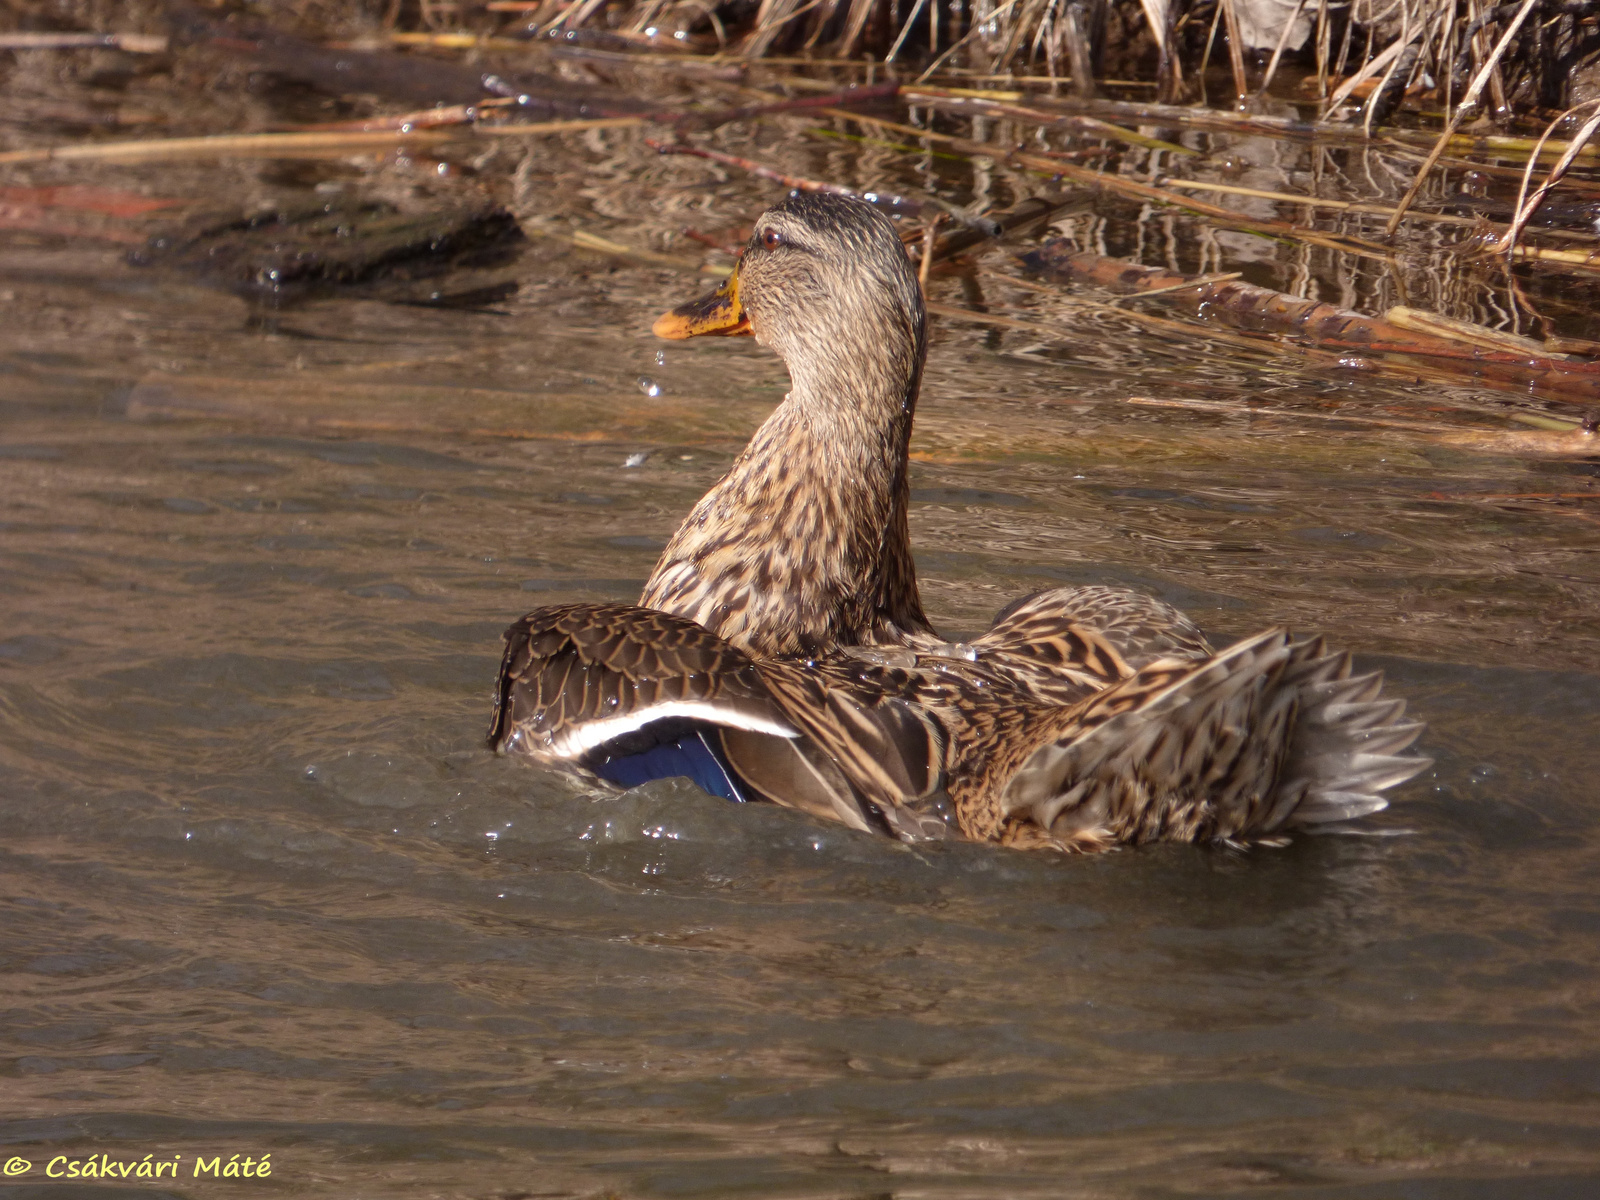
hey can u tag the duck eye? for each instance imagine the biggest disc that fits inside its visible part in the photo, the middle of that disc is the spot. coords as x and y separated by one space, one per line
771 239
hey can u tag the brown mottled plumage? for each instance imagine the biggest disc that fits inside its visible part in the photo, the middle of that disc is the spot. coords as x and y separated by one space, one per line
780 651
768 559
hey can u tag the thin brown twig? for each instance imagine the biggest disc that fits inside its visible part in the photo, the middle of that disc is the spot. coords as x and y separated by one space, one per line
1528 205
1572 442
1203 281
131 43
1241 85
977 27
930 234
1231 408
1277 53
1467 101
1398 150
264 145
1499 144
1355 206
1205 59
423 118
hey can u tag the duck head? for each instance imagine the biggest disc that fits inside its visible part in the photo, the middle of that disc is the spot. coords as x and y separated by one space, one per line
824 282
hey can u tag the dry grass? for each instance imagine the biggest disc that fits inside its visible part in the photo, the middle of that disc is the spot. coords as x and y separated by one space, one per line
1361 59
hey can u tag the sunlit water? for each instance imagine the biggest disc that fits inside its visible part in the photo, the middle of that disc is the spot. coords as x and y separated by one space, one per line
266 893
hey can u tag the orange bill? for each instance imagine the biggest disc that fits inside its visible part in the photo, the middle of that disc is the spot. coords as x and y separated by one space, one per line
718 313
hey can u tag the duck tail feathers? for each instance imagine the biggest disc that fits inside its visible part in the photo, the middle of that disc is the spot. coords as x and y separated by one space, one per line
1268 734
1348 744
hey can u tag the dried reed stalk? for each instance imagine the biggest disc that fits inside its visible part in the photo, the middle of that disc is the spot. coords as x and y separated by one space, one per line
1527 205
131 43
1354 206
1394 42
1479 81
294 145
260 145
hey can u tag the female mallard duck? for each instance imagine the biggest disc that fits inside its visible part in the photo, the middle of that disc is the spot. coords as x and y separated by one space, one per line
780 651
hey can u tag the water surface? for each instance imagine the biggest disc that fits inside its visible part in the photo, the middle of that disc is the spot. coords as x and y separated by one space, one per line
266 893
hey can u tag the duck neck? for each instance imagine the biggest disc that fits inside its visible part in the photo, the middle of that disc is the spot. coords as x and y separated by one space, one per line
804 544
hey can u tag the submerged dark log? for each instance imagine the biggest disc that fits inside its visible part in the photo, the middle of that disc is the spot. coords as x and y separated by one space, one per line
1312 323
287 254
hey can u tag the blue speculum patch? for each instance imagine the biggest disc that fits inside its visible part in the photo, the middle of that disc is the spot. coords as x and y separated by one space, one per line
692 756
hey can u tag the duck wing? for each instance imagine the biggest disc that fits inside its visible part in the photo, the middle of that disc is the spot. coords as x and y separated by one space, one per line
869 723
630 694
1104 631
1061 646
1270 733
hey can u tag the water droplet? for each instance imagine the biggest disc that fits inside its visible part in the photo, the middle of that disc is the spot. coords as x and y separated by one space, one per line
636 460
661 358
649 386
